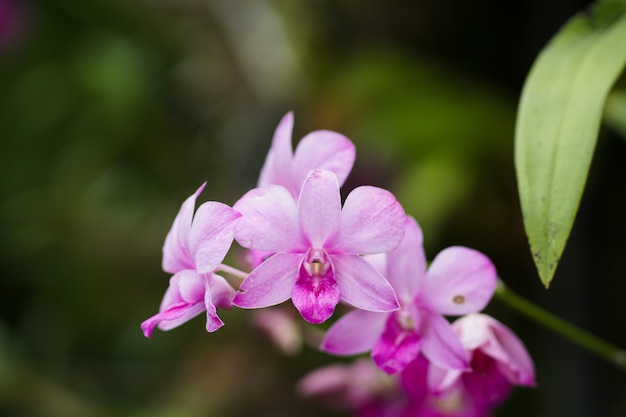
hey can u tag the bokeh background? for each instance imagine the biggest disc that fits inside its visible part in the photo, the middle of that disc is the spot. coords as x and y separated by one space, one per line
112 112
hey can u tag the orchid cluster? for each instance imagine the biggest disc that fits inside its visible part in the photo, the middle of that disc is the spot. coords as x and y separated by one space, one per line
303 244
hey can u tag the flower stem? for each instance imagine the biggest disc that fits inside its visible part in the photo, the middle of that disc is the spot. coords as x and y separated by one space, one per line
592 343
237 273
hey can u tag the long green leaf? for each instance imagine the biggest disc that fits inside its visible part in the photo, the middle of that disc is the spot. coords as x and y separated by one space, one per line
557 126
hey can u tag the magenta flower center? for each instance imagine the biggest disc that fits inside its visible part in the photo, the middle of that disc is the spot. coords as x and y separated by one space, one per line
316 292
316 263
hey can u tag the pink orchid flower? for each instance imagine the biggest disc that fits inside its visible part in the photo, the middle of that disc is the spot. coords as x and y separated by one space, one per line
498 361
194 247
317 246
459 281
321 149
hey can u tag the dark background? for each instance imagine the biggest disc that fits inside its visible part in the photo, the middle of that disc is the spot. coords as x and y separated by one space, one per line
112 112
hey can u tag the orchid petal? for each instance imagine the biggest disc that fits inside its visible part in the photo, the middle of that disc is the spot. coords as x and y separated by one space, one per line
324 149
222 293
406 264
211 236
172 317
473 330
173 312
459 281
269 221
509 350
315 297
319 206
378 261
361 285
372 221
354 333
176 255
213 322
396 348
188 285
270 283
441 345
441 379
277 168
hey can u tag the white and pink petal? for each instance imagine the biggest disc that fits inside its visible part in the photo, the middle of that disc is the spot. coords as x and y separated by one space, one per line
277 168
324 149
355 333
372 221
406 264
319 207
270 283
212 234
362 286
459 281
176 254
440 344
269 221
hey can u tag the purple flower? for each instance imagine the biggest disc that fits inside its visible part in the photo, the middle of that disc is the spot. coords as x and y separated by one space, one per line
321 149
194 247
498 361
317 246
459 281
347 387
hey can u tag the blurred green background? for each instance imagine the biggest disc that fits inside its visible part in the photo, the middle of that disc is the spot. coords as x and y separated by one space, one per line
112 112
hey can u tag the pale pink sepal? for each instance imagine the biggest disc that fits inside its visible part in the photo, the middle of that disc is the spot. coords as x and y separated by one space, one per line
324 149
319 207
211 235
213 322
440 344
362 286
269 221
406 264
176 254
480 331
459 281
320 149
277 168
173 316
372 221
354 333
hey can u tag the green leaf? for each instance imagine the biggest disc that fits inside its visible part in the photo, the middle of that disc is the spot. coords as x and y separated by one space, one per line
557 125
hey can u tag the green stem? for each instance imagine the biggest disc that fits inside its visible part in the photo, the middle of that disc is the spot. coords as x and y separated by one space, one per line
594 344
232 271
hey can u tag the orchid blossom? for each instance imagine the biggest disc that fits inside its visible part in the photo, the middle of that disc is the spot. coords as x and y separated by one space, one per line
320 149
194 248
498 361
459 281
317 246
